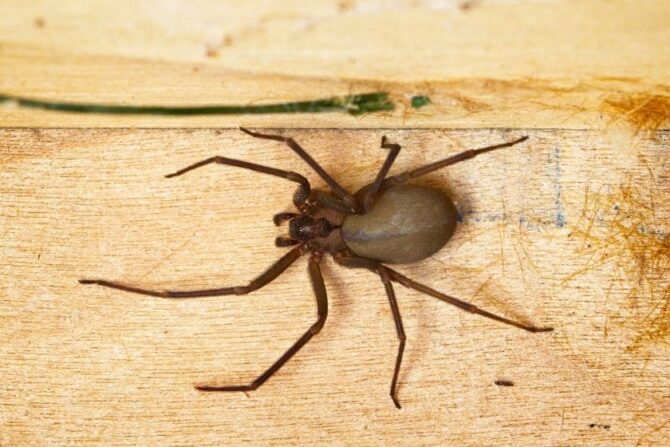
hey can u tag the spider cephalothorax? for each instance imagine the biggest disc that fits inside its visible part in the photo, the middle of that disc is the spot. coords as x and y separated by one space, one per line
302 227
386 221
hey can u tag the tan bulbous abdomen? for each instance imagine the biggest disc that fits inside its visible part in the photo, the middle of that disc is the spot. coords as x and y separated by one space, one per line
406 224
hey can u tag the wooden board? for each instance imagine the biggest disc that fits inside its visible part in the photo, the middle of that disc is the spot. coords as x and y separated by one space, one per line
559 64
568 229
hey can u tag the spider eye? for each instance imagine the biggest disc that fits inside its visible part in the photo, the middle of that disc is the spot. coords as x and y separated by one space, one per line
301 228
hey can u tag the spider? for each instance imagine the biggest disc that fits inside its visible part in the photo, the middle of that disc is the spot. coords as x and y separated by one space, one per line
386 222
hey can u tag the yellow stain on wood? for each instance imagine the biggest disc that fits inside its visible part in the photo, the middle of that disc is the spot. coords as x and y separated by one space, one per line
644 112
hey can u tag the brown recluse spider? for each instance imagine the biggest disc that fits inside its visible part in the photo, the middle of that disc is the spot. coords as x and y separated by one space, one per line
385 222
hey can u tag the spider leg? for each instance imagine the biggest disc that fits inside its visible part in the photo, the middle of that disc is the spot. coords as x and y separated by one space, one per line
300 196
339 191
399 330
282 241
374 266
265 278
280 218
322 312
405 281
387 275
372 189
465 155
332 202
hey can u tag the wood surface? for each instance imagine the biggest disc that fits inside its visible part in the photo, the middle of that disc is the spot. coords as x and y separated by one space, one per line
568 229
505 63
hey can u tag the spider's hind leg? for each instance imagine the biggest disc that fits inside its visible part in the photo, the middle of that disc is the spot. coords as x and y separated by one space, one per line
464 305
465 155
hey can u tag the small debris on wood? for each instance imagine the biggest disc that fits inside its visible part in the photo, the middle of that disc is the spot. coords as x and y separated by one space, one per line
419 101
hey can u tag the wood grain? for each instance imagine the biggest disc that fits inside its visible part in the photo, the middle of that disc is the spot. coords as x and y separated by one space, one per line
540 240
558 64
569 229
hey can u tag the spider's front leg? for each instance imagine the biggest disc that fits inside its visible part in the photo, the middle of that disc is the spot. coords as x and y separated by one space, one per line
304 197
302 194
343 201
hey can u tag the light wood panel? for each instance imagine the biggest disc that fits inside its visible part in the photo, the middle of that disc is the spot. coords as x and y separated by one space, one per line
565 64
567 230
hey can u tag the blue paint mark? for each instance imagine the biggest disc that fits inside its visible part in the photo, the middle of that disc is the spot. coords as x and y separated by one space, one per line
560 211
641 228
471 216
555 216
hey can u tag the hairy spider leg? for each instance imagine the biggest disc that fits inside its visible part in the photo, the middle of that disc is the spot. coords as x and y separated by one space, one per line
264 279
304 198
423 170
319 289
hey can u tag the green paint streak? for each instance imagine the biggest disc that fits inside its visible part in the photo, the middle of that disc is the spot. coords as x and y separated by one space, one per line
352 104
419 101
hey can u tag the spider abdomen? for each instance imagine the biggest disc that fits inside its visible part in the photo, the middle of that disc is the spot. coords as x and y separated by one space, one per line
406 224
